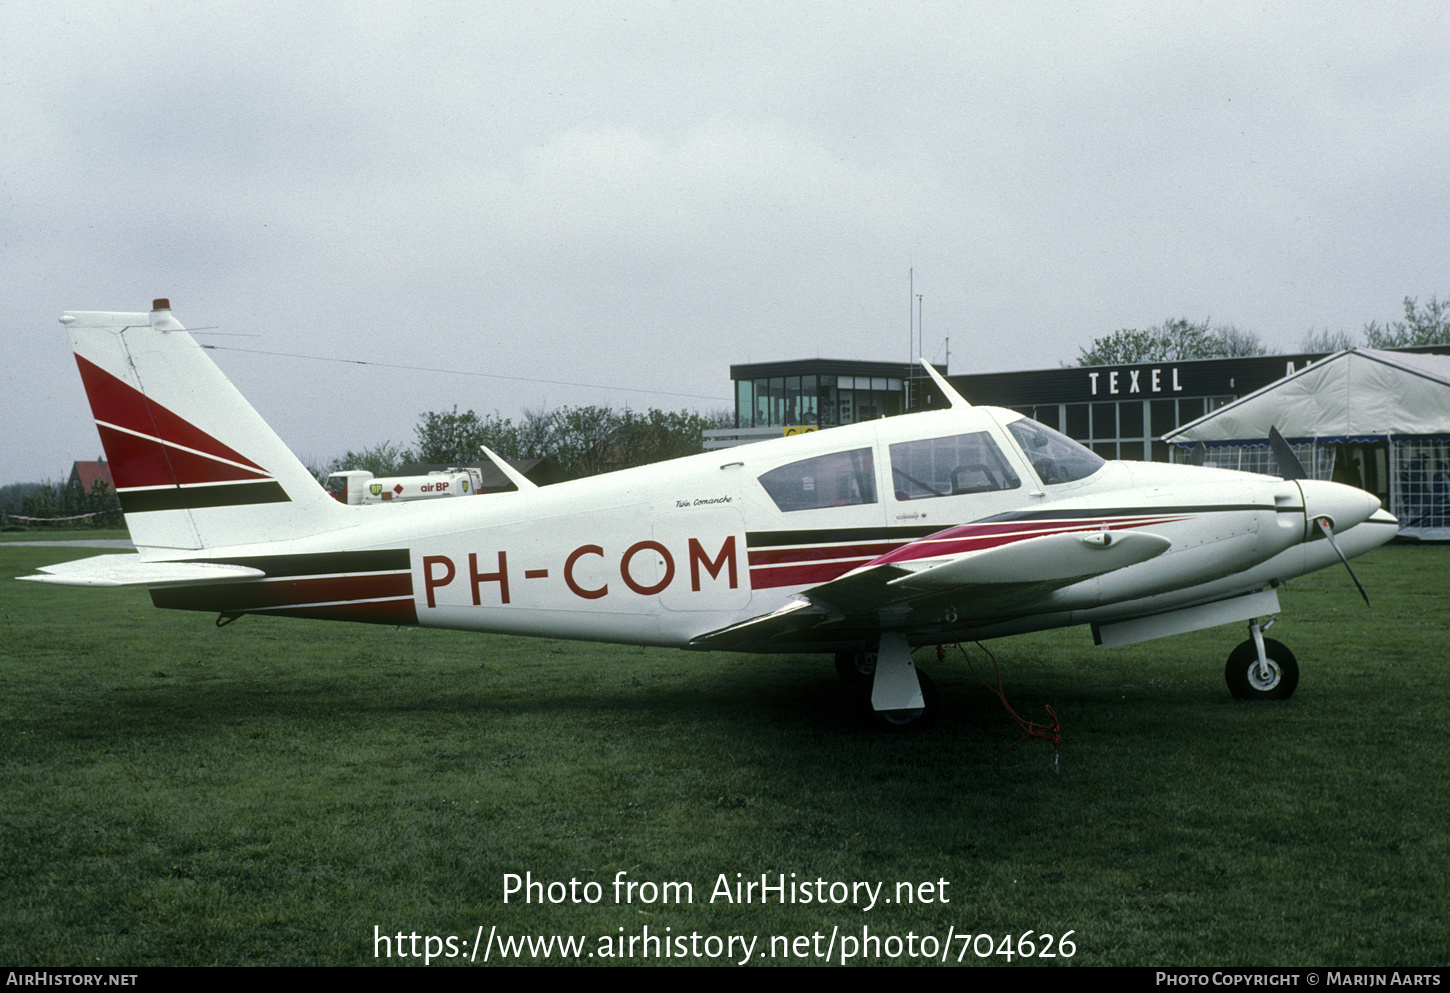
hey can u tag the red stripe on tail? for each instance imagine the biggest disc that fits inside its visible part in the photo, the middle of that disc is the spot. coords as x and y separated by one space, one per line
150 456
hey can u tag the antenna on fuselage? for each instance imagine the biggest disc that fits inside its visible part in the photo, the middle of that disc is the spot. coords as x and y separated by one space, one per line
957 401
519 480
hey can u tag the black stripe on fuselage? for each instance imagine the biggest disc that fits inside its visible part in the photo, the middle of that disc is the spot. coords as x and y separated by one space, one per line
833 536
767 539
325 563
1098 513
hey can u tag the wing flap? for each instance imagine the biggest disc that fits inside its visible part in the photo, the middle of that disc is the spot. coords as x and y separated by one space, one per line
794 616
131 570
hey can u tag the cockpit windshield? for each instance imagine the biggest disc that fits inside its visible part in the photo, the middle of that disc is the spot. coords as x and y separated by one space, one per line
1055 457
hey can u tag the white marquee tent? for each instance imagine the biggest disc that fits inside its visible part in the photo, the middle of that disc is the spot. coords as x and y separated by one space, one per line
1378 419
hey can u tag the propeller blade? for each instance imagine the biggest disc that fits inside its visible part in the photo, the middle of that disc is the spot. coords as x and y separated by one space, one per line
1289 465
1198 454
1323 523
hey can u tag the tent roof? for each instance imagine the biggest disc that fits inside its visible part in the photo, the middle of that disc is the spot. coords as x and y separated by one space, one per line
1356 393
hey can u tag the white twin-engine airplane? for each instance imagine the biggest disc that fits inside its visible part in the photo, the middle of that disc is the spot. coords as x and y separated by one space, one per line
865 540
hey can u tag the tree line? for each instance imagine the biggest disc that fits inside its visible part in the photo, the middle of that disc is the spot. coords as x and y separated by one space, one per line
1179 339
580 441
50 503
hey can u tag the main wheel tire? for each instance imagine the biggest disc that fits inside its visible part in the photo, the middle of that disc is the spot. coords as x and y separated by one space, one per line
856 667
914 719
1242 672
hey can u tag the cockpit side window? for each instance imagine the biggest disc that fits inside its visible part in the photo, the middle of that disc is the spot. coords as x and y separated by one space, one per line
1055 457
840 479
938 467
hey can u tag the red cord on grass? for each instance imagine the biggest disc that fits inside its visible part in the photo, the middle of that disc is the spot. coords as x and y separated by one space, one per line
1031 729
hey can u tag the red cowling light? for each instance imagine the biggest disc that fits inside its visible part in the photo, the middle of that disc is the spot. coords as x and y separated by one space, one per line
161 303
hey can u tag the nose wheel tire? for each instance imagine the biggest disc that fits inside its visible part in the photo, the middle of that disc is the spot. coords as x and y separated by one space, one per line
1247 682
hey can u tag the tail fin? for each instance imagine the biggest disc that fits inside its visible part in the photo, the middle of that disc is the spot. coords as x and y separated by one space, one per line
195 466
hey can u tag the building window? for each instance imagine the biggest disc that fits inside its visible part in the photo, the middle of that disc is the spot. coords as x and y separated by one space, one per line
1077 421
745 403
830 406
810 398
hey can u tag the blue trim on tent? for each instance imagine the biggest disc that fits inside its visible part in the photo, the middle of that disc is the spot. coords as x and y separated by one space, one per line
1325 440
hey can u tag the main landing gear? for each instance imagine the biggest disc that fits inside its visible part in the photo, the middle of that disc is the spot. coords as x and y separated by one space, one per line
1261 668
895 696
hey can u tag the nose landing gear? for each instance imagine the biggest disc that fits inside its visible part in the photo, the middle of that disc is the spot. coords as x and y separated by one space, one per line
1261 668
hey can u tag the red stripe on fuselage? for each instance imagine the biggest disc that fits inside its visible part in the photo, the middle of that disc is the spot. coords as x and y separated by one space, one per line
815 553
811 564
808 574
370 612
980 536
263 594
816 564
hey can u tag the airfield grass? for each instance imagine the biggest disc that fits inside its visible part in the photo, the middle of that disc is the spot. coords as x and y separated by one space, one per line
274 791
61 534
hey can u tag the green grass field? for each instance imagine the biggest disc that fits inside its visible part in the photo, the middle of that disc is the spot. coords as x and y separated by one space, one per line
274 791
60 534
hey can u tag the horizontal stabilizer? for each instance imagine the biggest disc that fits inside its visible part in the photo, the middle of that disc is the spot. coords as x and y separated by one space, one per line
130 570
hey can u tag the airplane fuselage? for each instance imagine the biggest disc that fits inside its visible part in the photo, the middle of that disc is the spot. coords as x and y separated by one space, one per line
664 554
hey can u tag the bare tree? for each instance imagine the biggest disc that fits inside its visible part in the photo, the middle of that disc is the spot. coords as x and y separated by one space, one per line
1327 341
1236 343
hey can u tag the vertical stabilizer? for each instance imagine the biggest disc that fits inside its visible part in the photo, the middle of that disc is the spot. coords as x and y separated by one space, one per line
195 466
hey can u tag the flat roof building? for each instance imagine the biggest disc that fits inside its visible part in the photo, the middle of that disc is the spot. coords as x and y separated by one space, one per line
1120 412
822 392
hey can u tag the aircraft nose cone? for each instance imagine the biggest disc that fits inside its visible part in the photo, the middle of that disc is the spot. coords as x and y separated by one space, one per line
1345 506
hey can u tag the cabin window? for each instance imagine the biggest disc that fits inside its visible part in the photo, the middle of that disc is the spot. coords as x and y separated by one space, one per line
841 479
1055 458
938 467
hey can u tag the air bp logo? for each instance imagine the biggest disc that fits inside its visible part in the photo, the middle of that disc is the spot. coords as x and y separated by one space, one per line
375 488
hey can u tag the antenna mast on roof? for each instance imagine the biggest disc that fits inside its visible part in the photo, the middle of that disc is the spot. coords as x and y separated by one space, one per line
910 340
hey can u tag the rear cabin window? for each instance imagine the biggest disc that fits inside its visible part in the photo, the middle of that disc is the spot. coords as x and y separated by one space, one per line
938 467
841 479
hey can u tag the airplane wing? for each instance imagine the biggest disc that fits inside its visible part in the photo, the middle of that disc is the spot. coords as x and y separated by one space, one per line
130 570
927 575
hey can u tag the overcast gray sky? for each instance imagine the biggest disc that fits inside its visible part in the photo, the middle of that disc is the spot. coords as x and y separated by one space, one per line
639 194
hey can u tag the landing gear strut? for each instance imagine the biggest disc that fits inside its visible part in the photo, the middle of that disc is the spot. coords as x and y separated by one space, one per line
1261 668
897 697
